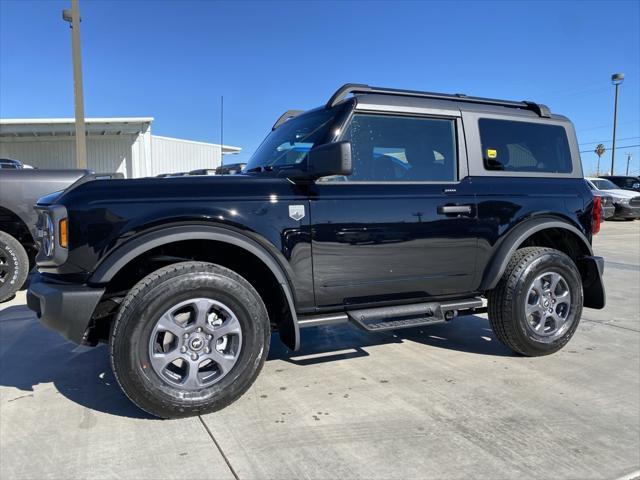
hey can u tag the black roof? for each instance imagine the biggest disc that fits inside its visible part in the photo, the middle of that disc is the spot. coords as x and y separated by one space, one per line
357 88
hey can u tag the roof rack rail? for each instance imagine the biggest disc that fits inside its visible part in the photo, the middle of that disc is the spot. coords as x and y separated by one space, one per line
288 115
354 88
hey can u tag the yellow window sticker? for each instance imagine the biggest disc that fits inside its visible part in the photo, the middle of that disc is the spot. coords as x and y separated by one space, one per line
491 153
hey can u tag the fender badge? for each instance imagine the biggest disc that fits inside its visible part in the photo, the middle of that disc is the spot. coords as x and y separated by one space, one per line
296 212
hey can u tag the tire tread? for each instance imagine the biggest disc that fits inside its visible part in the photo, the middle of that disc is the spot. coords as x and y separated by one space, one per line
168 408
23 265
502 299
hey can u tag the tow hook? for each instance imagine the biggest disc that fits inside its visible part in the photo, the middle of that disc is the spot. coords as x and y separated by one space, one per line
450 315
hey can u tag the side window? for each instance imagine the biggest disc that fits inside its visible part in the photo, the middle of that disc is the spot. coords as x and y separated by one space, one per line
512 146
401 149
630 183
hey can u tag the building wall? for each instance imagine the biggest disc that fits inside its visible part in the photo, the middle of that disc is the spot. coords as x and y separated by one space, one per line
177 155
133 155
109 153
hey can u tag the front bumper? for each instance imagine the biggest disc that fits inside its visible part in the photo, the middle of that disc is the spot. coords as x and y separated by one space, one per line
65 308
608 211
627 211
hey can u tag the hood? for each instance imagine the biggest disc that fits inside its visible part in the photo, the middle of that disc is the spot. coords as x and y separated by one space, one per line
176 189
82 177
618 192
49 199
601 193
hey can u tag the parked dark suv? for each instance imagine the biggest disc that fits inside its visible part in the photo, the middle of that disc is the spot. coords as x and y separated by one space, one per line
624 182
384 208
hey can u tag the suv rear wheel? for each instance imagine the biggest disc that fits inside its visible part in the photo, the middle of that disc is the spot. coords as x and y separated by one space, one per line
536 307
189 338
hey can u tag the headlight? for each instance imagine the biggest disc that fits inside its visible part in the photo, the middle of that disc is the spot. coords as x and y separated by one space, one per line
47 234
52 235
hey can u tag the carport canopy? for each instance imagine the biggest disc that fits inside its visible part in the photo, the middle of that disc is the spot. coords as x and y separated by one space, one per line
65 127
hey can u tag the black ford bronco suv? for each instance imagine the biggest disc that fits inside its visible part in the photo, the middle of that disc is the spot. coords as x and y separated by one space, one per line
384 208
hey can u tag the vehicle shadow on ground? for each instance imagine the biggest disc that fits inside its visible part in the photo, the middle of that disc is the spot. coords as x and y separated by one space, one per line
30 355
471 334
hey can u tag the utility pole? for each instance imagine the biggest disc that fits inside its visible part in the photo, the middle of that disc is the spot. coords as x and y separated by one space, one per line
73 17
616 79
221 129
628 161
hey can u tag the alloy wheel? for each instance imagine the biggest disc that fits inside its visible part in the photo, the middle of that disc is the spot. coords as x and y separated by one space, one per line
548 303
195 343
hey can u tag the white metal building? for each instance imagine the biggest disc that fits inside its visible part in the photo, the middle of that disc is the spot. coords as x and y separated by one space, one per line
123 145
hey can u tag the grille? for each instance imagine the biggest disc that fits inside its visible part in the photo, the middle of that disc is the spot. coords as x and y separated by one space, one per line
635 202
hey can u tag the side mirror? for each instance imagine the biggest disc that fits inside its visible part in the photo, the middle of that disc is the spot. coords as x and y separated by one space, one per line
329 159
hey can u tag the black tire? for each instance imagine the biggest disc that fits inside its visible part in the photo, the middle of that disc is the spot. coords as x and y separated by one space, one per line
14 266
507 302
143 306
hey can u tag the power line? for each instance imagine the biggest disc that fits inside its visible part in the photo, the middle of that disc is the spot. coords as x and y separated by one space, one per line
609 125
579 88
607 141
576 92
617 148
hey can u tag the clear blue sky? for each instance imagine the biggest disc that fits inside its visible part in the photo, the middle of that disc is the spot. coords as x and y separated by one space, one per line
173 60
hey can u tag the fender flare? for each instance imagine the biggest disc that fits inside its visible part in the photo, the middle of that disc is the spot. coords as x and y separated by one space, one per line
493 273
22 221
130 250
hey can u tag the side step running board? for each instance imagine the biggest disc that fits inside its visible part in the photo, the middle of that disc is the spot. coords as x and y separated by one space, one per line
406 316
393 318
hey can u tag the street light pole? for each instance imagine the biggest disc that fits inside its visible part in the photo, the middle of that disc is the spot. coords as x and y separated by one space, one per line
599 152
73 17
628 160
616 79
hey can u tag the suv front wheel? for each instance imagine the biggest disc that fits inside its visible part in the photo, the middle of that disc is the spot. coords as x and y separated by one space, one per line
14 266
536 307
189 338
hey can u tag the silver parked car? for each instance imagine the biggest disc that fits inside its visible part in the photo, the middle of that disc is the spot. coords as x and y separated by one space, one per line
626 202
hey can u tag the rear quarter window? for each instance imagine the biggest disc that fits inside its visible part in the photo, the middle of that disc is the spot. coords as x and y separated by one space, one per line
511 146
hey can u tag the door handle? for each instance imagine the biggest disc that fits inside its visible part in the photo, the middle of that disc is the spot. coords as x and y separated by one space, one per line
454 209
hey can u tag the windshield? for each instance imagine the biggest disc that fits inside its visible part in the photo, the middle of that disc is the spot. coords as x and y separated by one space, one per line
287 146
604 184
629 182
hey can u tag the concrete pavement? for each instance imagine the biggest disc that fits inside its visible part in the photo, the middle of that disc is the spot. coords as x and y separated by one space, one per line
441 402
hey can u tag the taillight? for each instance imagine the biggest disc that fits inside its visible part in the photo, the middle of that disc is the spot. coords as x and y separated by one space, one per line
596 216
